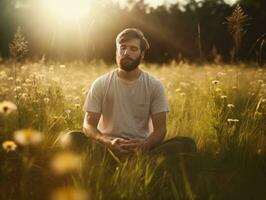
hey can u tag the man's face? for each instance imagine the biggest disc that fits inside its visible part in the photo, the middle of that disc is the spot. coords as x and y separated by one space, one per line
129 54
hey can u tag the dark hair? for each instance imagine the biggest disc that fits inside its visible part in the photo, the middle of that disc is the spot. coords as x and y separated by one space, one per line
130 33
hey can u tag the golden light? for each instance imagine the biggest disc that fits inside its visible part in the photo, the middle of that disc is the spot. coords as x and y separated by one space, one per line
67 9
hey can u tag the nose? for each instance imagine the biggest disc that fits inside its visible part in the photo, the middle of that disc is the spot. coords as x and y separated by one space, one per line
126 52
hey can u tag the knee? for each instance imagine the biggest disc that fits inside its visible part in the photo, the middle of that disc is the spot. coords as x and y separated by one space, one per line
74 139
190 144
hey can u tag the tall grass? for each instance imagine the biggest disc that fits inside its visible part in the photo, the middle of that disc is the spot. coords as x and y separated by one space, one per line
221 107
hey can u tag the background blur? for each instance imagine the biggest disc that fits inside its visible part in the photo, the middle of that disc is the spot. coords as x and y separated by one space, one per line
86 30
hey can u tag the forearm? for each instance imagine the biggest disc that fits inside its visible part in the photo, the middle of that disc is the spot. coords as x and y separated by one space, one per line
154 139
94 133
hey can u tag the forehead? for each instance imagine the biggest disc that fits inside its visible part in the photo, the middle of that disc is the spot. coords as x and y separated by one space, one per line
130 42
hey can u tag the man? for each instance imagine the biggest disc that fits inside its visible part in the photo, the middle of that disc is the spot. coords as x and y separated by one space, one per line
126 108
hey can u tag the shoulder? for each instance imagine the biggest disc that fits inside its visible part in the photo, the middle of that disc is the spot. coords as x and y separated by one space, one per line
154 81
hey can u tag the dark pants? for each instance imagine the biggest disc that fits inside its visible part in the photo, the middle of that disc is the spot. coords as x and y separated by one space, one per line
176 145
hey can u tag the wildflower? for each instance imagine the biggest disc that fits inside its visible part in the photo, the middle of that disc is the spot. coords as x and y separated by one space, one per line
46 100
68 112
24 95
182 94
70 193
218 90
28 80
10 78
9 145
18 88
178 90
232 120
260 81
65 162
234 87
215 82
7 107
62 66
28 136
259 151
263 101
24 67
230 105
77 105
223 96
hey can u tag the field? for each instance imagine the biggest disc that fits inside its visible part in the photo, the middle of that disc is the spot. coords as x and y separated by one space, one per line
222 107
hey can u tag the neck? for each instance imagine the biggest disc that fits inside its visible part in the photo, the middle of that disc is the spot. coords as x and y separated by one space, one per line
129 76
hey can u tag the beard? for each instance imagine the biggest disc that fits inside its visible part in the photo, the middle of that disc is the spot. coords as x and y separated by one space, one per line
129 64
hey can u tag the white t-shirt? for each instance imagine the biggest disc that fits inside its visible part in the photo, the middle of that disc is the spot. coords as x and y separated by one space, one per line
126 107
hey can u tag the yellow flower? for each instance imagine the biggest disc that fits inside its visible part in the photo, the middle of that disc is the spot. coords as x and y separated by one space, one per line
7 107
65 162
70 193
9 145
28 136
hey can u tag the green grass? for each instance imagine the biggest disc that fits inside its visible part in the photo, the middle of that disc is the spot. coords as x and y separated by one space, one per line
230 163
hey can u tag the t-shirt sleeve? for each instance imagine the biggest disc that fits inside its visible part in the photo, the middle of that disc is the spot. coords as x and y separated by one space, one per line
159 101
93 101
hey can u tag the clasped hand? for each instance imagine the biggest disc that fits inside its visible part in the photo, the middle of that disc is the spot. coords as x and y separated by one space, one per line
128 145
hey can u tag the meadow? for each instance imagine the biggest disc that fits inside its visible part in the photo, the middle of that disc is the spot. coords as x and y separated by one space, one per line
222 107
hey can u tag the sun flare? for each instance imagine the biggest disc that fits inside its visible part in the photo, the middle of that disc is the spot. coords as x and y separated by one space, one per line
67 9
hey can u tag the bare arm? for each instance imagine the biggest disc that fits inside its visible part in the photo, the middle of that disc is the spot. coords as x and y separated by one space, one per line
90 124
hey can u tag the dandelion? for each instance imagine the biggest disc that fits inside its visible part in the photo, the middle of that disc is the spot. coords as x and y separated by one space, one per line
7 107
65 162
215 82
70 193
9 145
28 136
230 105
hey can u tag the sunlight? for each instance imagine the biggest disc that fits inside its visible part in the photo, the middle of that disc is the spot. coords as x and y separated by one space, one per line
67 9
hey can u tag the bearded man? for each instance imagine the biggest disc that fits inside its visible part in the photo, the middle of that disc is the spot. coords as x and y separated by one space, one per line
126 109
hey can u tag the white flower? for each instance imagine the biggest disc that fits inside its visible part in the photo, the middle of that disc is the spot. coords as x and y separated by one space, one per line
230 105
28 136
9 145
7 107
